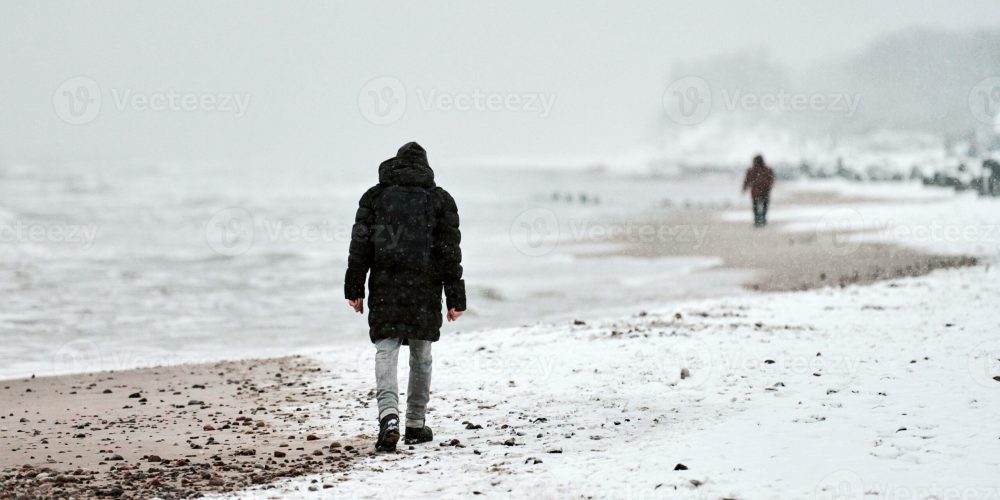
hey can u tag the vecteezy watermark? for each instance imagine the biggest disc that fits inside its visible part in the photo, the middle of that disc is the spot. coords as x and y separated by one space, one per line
33 232
585 230
840 485
79 100
75 356
383 101
783 101
842 231
230 231
597 486
698 364
984 100
233 231
89 355
689 101
537 231
984 364
839 231
849 485
690 360
479 100
491 364
171 100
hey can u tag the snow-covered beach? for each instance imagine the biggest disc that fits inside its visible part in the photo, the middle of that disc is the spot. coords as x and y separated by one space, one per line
840 391
874 391
723 250
789 395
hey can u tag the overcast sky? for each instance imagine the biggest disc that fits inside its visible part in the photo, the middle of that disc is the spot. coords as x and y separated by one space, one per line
293 81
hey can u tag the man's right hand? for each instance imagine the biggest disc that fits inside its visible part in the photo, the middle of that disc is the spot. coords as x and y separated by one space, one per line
358 305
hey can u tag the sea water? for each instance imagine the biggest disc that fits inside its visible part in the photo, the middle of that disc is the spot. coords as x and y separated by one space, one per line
117 266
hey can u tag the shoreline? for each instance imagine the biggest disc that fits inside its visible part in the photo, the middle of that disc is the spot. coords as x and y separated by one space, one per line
784 261
226 427
705 398
171 432
728 388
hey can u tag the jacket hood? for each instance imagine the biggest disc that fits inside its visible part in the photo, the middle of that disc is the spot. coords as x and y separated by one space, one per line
408 168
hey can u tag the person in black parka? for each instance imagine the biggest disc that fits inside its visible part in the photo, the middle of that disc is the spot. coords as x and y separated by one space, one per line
406 235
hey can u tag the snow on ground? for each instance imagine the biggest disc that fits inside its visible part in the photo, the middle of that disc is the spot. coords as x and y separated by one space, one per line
873 190
929 219
880 392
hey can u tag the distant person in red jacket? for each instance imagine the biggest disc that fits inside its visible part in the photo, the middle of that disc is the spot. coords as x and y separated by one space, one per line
759 180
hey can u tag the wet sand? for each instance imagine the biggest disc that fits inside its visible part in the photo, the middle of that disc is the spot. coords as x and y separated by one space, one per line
170 432
783 260
187 430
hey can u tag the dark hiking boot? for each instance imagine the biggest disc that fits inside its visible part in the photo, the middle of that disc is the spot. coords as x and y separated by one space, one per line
417 435
388 433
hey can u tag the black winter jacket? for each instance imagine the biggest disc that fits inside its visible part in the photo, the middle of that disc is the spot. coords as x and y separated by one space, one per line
406 303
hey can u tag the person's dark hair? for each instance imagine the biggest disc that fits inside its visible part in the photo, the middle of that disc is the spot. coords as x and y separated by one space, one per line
758 161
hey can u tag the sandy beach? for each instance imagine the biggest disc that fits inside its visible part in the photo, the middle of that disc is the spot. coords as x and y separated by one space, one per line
784 260
209 211
184 430
170 432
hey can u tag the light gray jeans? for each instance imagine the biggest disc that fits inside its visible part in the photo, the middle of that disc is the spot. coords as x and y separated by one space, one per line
418 391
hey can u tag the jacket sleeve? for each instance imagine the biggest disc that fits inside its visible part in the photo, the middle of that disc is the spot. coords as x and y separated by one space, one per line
448 252
747 180
359 260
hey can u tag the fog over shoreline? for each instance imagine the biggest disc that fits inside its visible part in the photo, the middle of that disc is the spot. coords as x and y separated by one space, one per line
565 85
